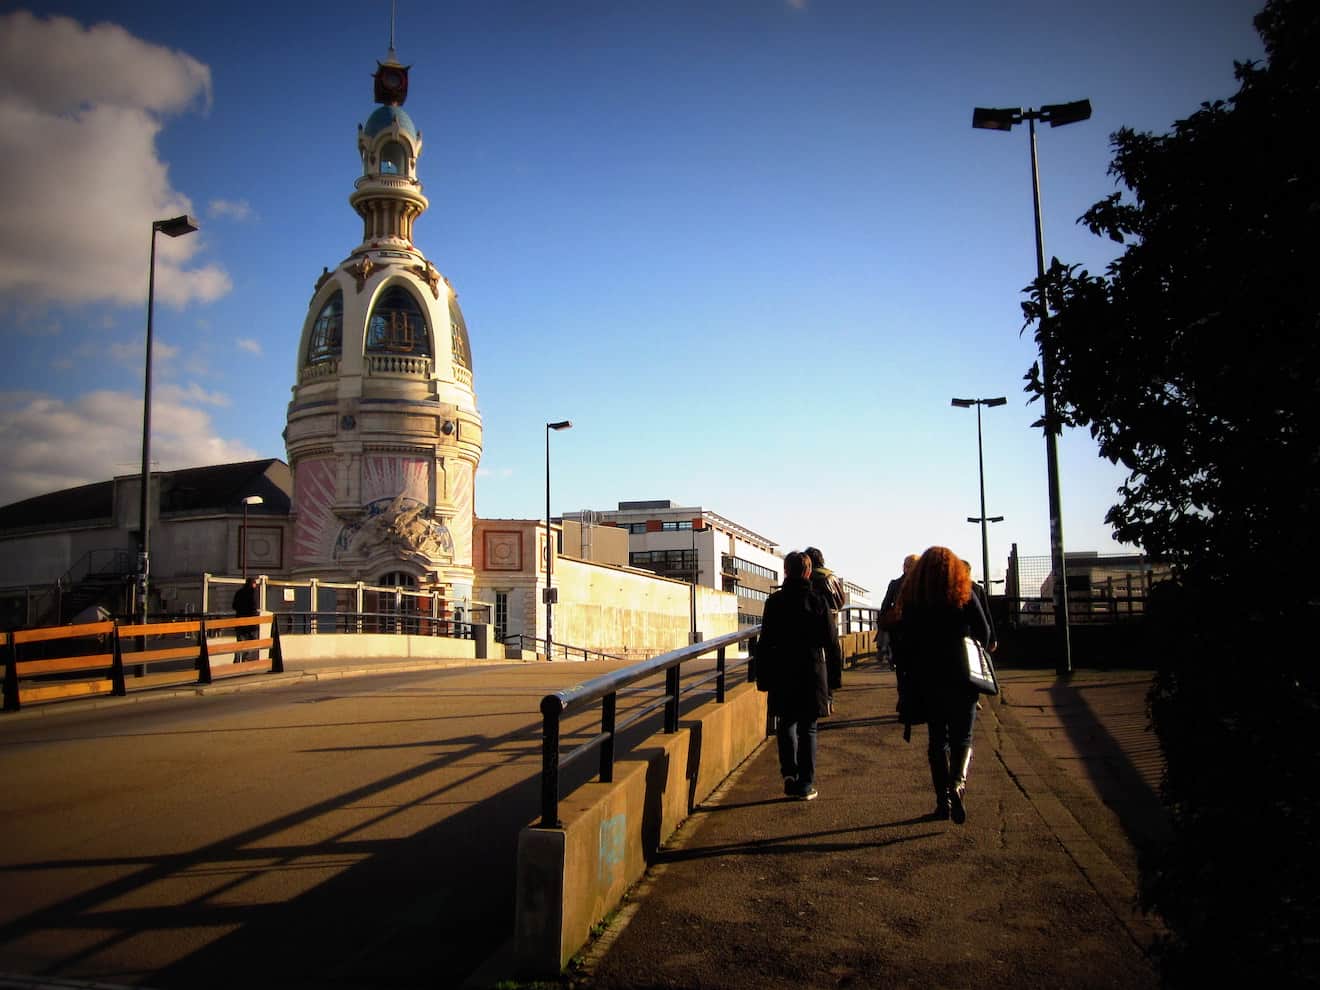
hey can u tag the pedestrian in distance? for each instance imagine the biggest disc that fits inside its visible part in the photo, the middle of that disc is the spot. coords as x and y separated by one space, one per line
246 603
888 606
936 610
825 584
797 629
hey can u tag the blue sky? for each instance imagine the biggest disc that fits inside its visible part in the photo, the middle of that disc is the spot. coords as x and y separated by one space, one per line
750 247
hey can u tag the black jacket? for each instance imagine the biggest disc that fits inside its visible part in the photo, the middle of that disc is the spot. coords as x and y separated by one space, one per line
797 632
932 644
245 601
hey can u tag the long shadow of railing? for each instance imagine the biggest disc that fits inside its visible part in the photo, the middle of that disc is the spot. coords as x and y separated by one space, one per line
399 907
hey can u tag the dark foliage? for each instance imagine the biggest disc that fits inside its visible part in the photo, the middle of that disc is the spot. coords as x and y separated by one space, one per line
1195 362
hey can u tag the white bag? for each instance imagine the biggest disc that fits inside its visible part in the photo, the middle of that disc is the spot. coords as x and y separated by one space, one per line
980 670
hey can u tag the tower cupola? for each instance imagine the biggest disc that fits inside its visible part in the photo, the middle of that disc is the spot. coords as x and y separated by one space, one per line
388 195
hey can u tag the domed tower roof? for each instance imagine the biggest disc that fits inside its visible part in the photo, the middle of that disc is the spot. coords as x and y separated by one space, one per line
391 116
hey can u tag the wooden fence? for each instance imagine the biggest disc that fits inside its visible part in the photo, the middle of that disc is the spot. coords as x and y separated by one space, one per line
91 659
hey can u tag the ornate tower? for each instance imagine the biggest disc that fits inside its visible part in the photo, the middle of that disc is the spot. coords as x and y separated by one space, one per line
383 432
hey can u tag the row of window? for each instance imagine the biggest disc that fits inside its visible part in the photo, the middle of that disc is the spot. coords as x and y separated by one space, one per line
397 325
737 565
664 560
755 594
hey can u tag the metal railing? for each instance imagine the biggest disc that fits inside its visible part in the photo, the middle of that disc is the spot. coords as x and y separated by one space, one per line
393 623
565 650
606 689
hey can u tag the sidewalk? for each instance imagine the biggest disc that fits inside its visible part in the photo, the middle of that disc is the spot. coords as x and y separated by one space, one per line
859 889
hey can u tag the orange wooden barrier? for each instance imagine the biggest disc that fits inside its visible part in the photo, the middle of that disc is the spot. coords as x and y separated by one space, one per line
45 678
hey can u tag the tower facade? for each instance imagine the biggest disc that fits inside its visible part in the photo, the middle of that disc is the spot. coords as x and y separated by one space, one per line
383 433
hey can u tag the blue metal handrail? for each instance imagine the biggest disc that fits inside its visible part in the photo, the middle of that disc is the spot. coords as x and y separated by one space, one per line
606 688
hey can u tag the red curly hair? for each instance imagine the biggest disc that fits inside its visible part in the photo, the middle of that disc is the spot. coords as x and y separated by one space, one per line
940 579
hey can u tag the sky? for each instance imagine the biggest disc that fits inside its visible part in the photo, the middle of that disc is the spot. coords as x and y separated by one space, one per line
751 248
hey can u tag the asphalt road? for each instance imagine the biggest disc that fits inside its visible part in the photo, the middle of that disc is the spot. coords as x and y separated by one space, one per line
338 833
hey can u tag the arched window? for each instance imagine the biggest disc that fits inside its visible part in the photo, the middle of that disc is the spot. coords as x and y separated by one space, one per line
397 325
393 159
328 331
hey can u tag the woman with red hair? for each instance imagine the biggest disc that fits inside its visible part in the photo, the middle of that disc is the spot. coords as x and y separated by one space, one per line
936 611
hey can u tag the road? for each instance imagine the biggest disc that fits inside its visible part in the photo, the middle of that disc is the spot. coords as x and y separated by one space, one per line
345 833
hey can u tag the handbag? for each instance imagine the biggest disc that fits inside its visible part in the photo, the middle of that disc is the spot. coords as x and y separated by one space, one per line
980 669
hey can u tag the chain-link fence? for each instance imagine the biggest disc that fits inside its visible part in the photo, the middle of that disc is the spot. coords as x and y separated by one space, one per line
1101 587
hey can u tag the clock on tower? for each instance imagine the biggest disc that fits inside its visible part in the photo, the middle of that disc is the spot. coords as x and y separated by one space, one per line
391 83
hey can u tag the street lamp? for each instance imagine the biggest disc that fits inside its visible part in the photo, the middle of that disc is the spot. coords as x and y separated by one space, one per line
550 593
174 227
980 467
1003 119
258 500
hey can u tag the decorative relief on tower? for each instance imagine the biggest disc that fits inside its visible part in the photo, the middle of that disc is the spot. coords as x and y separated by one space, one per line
361 271
404 525
460 494
321 280
316 528
430 275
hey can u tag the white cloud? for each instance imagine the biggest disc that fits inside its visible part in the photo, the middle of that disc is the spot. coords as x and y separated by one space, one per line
97 96
249 345
132 352
231 209
55 444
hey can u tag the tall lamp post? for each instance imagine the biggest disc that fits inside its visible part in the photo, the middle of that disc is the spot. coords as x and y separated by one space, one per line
174 227
258 500
980 469
1003 119
550 593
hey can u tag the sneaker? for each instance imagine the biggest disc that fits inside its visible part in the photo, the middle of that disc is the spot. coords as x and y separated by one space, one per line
790 786
808 792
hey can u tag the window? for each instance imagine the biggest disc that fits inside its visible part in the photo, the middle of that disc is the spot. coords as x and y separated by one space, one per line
736 565
393 159
397 325
635 527
501 615
674 527
678 564
328 331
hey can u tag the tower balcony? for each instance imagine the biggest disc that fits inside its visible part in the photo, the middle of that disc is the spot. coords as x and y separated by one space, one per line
318 371
397 366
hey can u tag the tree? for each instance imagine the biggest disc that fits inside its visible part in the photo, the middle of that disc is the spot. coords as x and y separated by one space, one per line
1194 360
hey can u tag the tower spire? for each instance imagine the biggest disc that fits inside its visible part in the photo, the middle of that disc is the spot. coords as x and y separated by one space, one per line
393 6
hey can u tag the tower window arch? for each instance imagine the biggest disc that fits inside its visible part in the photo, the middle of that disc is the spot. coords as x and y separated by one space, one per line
328 331
397 325
393 159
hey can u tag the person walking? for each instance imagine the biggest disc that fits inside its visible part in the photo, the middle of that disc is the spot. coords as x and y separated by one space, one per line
245 604
797 629
825 584
888 606
936 610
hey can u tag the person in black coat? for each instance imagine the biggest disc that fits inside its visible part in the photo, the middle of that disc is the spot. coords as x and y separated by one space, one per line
797 631
246 603
937 609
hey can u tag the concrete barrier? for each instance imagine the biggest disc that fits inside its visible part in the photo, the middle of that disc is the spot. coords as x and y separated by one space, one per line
570 878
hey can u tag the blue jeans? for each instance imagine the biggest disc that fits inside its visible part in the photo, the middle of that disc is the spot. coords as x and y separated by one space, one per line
951 719
797 749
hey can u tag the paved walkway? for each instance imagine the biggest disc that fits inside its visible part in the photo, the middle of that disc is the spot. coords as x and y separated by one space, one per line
860 889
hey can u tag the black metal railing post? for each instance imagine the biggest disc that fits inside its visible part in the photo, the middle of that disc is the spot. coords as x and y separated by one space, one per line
609 704
719 680
551 709
672 683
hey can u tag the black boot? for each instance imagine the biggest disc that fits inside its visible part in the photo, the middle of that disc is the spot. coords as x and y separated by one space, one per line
939 778
959 762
